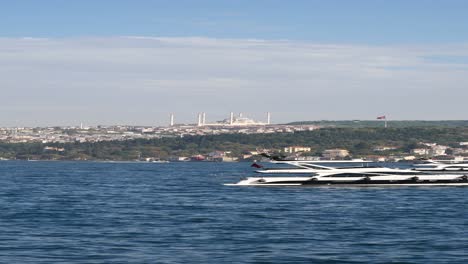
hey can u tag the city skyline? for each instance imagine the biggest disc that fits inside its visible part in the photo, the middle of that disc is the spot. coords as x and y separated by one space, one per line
117 62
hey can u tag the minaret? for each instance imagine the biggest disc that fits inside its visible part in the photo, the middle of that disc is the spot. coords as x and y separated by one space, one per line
203 118
199 119
268 118
81 125
231 120
171 120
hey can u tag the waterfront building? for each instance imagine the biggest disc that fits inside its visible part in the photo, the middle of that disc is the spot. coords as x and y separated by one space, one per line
296 149
420 151
335 153
438 150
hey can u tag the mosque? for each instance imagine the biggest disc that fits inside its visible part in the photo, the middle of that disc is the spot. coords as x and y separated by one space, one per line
232 120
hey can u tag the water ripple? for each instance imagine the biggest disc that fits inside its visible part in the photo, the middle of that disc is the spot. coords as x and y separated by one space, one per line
84 212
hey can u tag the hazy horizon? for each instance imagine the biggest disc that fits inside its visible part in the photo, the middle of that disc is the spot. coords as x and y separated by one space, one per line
194 122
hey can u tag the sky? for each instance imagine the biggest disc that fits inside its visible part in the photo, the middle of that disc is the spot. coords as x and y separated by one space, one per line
134 62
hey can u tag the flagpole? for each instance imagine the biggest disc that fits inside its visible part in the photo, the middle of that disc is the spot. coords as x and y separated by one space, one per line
384 118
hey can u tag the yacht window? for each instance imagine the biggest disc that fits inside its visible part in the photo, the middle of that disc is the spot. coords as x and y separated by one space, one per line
398 173
351 175
312 167
374 174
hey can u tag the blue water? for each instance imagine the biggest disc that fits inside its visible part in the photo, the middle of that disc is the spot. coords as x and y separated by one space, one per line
84 212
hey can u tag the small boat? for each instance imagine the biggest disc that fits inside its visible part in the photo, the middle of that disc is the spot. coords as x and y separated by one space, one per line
159 161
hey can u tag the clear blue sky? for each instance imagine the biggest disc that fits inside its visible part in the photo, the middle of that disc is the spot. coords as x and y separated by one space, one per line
83 60
329 21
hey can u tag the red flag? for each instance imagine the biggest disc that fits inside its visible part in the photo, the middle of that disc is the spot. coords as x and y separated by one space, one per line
381 117
255 165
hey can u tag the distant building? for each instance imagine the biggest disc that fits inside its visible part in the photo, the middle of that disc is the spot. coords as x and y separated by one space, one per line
409 158
428 144
335 153
420 151
459 151
384 148
438 150
233 120
197 158
217 154
47 148
376 158
229 159
296 149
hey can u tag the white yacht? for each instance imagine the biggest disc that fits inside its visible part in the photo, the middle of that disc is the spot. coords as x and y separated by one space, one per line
446 166
321 175
308 167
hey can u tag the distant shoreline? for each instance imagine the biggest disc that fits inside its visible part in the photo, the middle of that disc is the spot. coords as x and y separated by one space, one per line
371 142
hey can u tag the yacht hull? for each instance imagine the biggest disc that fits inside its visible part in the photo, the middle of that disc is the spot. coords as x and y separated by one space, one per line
351 185
444 180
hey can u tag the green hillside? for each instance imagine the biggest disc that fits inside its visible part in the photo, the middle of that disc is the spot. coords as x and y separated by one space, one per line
380 123
360 141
